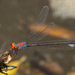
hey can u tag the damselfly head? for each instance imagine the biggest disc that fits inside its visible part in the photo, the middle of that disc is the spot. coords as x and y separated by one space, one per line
13 46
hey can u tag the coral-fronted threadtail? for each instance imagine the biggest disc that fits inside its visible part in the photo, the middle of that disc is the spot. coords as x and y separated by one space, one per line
35 35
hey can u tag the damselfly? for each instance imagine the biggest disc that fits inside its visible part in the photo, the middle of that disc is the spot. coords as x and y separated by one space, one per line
33 37
36 35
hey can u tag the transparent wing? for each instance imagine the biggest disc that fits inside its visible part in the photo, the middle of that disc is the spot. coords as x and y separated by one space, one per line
44 30
3 48
40 22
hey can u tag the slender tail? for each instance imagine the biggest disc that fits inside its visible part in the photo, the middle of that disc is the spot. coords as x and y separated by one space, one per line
59 43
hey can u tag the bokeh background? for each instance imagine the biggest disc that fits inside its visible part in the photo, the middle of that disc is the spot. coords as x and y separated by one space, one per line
15 18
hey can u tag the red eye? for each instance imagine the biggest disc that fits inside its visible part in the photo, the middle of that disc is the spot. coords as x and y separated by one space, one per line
13 46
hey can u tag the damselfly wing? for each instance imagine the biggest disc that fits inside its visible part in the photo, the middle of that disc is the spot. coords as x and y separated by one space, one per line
36 35
3 48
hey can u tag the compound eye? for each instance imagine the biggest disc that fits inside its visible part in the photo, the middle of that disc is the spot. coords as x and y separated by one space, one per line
11 43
